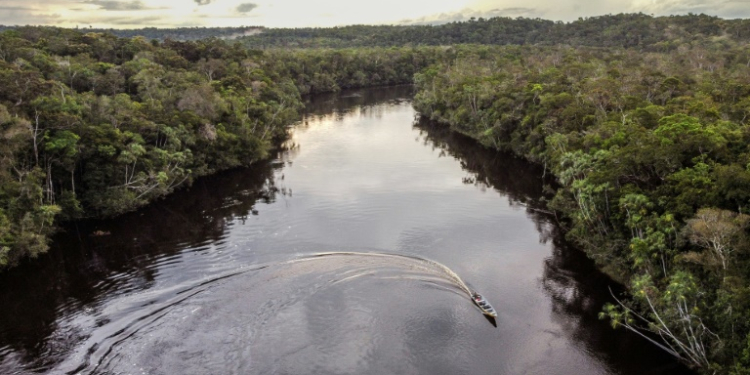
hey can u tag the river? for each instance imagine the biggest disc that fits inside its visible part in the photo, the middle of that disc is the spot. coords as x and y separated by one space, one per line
227 277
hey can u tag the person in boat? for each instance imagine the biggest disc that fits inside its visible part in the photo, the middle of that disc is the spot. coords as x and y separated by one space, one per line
483 304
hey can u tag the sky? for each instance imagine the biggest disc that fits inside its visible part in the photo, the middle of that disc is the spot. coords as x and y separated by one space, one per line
325 13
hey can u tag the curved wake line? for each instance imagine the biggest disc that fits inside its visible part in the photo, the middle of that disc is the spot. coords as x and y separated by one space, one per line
475 297
95 354
450 275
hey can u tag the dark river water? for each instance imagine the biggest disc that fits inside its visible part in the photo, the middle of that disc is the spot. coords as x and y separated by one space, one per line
227 277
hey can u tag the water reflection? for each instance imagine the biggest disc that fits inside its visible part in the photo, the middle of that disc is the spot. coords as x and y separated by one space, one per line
351 178
94 261
574 285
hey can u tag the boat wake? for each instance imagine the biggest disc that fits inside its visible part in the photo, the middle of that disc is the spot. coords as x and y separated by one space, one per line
427 264
307 311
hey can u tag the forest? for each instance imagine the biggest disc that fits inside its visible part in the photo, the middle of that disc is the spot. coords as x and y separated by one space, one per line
650 150
94 125
181 34
638 31
642 120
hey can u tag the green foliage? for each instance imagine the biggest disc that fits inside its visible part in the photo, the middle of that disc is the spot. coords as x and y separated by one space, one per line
647 136
325 70
94 125
620 30
650 151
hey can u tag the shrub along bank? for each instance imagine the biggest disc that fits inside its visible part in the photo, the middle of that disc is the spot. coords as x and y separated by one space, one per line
651 152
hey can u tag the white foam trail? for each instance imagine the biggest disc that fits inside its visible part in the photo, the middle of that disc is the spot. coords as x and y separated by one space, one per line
450 275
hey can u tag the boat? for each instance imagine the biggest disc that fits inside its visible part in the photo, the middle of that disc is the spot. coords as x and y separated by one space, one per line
483 305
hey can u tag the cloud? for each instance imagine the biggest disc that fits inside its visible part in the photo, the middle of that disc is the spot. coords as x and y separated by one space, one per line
20 15
294 13
516 11
246 7
9 9
121 21
116 5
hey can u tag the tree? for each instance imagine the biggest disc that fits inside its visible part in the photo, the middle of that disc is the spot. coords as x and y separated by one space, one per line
672 313
718 231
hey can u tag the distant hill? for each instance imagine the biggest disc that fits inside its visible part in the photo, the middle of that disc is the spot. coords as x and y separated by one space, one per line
621 30
183 34
180 34
635 30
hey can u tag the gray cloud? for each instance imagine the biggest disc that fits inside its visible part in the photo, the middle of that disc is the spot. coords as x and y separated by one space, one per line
9 9
44 12
119 21
14 15
116 5
516 11
246 7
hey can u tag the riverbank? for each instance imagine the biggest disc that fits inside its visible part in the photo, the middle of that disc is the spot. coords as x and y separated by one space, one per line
650 153
220 259
97 126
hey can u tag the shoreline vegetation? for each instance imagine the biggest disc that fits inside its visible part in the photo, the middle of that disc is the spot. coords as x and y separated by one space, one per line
95 126
643 120
651 153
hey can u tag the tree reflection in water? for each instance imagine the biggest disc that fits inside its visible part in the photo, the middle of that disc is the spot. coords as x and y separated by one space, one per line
51 304
576 288
77 273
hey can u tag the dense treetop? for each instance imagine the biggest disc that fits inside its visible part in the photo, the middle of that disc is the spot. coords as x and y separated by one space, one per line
621 30
179 34
645 122
95 125
651 153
